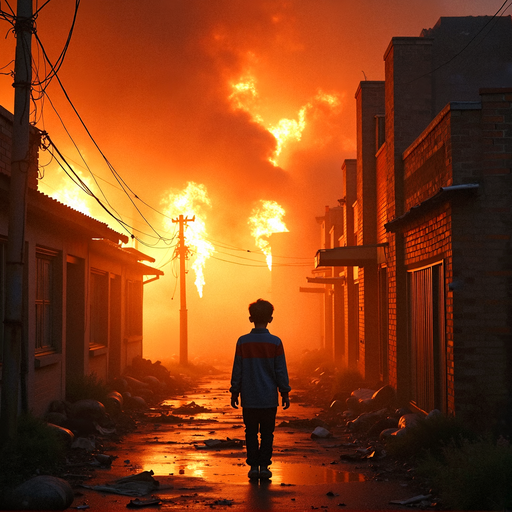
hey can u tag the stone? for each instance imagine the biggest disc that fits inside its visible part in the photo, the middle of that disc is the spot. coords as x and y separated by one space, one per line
41 493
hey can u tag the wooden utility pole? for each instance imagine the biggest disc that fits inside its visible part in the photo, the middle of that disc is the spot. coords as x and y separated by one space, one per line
20 161
182 254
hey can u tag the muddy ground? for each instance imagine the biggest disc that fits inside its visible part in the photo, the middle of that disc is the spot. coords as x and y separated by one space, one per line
189 449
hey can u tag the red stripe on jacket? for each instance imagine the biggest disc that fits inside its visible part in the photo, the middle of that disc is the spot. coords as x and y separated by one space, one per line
255 349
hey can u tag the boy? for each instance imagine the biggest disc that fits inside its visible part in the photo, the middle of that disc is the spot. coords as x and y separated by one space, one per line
259 371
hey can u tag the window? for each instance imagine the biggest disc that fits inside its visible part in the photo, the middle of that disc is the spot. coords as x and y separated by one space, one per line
427 337
134 308
99 309
45 300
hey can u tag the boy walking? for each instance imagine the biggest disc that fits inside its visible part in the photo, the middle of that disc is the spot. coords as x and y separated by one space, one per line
259 372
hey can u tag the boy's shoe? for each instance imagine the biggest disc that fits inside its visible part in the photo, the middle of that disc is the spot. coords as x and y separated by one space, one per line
265 473
254 473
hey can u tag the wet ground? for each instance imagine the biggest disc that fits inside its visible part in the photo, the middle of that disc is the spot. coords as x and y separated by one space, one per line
307 473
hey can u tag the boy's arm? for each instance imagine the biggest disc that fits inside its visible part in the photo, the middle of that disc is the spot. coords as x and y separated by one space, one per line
282 380
236 379
286 400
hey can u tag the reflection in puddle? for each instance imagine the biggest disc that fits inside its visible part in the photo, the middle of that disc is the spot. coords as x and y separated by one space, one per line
231 470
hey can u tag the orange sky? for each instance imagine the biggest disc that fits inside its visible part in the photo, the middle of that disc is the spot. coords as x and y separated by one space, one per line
153 81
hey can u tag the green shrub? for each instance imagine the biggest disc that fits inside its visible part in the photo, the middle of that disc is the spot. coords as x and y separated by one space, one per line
37 450
429 437
472 476
81 387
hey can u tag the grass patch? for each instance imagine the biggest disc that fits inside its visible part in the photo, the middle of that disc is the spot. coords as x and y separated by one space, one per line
429 437
81 387
36 450
472 476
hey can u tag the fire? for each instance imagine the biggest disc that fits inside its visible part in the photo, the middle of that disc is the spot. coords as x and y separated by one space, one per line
286 130
192 202
70 194
245 97
265 220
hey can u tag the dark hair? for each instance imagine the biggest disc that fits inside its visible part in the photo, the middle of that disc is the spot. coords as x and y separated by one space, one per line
261 311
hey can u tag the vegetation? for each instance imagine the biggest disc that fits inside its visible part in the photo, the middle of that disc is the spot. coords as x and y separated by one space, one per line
466 471
37 450
475 475
81 387
429 437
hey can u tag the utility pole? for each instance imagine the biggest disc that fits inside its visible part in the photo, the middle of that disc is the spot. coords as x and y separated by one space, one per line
20 160
182 253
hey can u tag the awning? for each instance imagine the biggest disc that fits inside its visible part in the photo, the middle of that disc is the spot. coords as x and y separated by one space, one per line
444 194
352 256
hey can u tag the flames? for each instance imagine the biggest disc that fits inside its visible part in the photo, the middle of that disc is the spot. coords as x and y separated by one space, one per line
245 96
265 220
192 202
70 194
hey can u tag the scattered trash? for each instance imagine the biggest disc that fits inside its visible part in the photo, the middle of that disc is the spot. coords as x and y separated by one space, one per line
320 433
307 424
219 444
330 493
190 409
140 484
411 501
84 443
136 503
223 502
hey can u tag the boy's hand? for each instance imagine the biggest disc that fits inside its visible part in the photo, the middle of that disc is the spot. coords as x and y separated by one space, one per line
234 401
286 400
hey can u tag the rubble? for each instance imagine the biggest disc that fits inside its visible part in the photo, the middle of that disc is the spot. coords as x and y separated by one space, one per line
140 484
40 493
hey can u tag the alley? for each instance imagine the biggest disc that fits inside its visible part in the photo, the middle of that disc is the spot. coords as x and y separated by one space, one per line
199 461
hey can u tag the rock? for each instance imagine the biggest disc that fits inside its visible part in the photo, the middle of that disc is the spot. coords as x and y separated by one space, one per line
383 397
366 420
64 434
363 393
408 420
88 409
382 424
56 418
321 433
41 493
136 384
387 433
434 413
84 443
137 402
153 382
114 403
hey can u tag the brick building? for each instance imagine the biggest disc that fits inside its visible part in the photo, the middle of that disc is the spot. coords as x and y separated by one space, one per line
433 220
83 292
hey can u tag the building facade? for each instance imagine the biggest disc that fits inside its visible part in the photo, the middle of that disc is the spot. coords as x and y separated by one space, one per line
83 292
434 220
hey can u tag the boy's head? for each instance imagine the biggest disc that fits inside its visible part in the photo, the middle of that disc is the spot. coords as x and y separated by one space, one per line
261 312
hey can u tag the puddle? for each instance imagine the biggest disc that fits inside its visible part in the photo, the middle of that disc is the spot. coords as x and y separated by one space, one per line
234 471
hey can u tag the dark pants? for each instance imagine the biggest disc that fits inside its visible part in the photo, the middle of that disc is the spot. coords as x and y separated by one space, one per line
262 421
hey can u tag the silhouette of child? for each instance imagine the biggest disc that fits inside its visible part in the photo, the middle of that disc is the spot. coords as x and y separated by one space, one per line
259 371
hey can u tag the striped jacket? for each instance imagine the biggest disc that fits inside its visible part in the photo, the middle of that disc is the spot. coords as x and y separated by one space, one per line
259 370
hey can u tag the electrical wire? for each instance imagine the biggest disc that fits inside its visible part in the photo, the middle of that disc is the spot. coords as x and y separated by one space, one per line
451 59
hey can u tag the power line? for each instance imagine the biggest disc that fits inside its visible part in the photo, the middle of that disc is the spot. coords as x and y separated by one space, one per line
464 48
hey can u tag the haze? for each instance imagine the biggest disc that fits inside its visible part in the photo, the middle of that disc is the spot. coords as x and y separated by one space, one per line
156 85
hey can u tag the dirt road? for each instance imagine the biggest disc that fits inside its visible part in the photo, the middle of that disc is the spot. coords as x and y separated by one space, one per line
307 473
